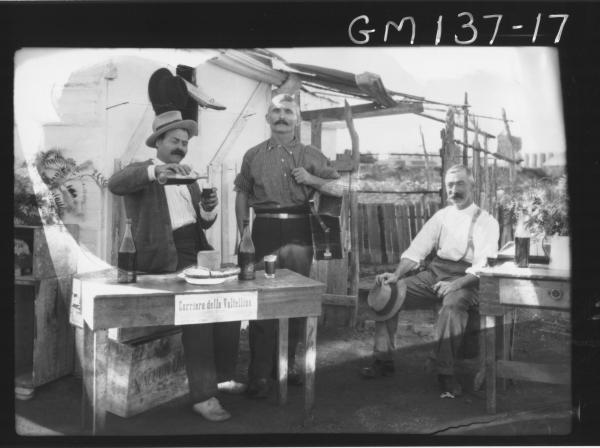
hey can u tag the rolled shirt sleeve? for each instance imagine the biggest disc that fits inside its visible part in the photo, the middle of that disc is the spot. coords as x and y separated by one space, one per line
243 181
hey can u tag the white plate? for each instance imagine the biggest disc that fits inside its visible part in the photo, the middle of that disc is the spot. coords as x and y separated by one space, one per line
205 281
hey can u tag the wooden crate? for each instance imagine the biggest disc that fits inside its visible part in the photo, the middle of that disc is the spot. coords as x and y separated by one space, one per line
44 341
145 374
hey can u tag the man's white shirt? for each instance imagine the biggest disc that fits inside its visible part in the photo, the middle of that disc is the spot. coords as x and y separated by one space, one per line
451 226
179 201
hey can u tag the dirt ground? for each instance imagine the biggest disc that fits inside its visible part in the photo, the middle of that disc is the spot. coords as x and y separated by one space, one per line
407 403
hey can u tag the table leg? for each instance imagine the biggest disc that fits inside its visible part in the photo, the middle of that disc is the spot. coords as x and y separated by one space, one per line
310 360
99 376
282 369
506 342
490 364
87 374
480 375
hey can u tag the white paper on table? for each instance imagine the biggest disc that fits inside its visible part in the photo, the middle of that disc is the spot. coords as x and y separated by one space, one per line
215 307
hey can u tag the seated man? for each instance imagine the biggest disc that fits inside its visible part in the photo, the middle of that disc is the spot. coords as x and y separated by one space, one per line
463 236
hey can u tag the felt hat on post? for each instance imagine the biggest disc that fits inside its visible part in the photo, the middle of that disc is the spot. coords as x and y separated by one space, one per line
386 299
167 121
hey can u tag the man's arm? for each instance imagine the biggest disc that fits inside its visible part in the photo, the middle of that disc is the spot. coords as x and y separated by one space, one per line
130 179
242 209
405 266
330 187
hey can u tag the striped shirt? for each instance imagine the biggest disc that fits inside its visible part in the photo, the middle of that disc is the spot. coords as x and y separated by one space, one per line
179 201
266 174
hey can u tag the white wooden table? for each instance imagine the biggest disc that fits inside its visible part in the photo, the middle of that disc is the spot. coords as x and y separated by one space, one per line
169 300
503 289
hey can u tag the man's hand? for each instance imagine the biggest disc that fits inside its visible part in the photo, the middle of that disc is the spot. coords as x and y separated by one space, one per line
208 204
302 176
385 278
444 288
172 168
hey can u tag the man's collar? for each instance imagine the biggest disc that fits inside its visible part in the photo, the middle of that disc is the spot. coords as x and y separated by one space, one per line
157 161
271 143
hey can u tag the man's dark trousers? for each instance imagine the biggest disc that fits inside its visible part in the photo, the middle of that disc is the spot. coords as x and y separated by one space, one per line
453 316
210 350
290 240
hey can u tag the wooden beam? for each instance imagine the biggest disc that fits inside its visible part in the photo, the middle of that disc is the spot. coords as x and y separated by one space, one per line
441 120
495 154
361 111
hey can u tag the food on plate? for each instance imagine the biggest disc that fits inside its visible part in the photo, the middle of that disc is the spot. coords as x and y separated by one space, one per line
202 272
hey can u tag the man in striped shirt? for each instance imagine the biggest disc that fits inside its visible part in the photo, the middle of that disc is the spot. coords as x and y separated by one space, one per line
277 178
168 223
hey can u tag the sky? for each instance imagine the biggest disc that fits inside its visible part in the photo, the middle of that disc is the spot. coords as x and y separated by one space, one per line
524 81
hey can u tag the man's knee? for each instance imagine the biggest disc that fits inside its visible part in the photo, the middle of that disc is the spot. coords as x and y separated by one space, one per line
460 300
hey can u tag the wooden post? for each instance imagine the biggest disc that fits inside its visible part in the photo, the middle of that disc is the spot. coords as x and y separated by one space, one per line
511 165
476 165
315 132
450 153
465 155
354 215
426 156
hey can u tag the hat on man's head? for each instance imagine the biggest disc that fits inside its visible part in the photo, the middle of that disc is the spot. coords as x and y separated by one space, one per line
167 121
386 299
167 91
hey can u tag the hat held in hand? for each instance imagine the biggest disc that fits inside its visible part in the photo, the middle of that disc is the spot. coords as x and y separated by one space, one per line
386 299
167 121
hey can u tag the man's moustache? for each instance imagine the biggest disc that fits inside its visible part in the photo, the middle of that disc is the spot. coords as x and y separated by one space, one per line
178 152
281 122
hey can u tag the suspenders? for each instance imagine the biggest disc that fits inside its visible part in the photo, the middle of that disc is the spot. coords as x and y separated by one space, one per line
470 242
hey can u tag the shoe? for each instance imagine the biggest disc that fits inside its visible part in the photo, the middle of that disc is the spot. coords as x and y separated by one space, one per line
211 410
232 387
294 378
258 388
449 386
378 368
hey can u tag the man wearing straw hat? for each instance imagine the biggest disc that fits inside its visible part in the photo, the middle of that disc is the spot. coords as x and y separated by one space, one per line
168 223
462 236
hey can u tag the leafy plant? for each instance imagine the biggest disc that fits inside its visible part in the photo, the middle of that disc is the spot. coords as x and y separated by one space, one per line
542 205
66 190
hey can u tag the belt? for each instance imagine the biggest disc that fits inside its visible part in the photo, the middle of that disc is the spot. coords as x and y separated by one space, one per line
281 215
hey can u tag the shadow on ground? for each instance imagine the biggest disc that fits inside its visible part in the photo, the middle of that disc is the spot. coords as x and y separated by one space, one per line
407 403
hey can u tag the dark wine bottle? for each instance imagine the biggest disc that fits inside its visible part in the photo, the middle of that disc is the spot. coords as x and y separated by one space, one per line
126 257
246 254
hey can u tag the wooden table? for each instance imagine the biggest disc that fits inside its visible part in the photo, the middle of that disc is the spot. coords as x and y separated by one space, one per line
503 289
169 300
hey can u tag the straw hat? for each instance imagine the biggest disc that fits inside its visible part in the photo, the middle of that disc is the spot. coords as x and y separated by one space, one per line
386 299
167 121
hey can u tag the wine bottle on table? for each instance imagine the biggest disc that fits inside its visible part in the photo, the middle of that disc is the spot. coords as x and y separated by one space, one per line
246 254
126 257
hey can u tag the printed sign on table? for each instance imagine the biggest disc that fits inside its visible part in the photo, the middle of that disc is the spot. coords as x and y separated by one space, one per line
215 307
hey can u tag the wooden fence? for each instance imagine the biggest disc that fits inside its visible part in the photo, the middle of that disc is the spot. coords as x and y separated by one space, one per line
386 230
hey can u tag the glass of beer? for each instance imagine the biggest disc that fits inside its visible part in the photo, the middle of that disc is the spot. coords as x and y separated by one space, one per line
270 265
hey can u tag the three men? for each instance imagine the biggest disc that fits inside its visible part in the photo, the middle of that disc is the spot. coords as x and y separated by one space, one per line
277 178
463 236
168 223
